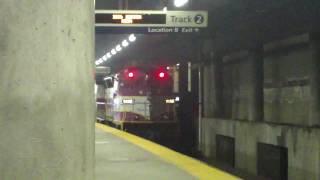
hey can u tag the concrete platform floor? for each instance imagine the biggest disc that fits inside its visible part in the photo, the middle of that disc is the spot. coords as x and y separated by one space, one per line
121 155
117 159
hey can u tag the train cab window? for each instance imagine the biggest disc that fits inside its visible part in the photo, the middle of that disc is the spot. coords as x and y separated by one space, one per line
160 81
132 81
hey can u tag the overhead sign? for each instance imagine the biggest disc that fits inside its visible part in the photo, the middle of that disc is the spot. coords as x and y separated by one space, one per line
121 21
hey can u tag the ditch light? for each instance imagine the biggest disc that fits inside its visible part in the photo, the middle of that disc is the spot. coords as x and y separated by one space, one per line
127 101
170 101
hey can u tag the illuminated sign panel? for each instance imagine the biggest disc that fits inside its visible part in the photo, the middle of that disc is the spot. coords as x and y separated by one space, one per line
133 21
122 18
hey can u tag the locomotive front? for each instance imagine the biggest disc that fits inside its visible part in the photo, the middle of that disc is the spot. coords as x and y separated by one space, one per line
142 101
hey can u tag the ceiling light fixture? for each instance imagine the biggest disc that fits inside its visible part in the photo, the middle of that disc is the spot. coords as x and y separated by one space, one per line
113 52
165 9
125 43
132 38
180 3
118 48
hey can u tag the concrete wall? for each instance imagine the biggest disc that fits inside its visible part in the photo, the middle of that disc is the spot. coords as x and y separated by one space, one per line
47 105
303 144
236 89
286 86
287 66
208 90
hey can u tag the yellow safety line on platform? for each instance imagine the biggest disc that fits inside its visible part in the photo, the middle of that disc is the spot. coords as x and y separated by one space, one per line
192 166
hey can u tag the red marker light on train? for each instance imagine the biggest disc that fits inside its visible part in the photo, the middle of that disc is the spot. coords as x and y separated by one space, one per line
161 75
130 74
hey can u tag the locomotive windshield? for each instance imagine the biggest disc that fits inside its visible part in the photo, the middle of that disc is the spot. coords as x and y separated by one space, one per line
137 82
133 82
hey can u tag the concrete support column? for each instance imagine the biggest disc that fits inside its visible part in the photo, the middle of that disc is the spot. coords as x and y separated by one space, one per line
315 80
218 108
207 90
46 90
255 98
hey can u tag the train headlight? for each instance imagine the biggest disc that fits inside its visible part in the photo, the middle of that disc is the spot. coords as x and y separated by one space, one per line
169 101
116 101
177 99
127 101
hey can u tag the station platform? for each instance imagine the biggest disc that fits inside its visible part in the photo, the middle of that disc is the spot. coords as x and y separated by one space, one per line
120 155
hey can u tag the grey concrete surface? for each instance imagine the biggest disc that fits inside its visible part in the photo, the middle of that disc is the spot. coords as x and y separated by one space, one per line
315 80
290 86
303 144
290 106
118 159
255 100
46 90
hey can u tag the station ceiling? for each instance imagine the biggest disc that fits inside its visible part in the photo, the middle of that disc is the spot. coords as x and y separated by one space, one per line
233 24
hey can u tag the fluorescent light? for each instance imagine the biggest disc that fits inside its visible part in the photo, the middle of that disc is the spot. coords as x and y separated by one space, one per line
113 52
180 3
118 48
125 43
165 9
132 38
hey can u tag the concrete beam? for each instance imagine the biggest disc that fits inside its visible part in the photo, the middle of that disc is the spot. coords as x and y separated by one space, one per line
47 106
218 106
291 41
235 56
255 100
315 80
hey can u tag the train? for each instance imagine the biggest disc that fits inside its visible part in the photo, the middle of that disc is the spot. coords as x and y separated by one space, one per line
143 100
